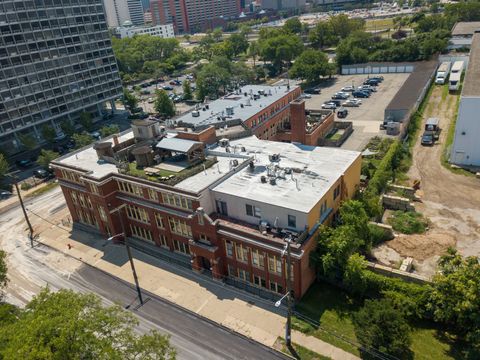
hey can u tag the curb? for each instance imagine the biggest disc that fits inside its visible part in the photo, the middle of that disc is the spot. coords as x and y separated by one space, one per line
166 301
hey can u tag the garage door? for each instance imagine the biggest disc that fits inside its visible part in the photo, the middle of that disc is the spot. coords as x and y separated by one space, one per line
377 69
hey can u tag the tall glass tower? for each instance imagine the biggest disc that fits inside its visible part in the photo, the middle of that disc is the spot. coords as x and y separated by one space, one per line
56 61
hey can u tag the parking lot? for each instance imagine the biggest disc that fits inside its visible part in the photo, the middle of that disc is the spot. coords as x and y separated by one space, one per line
368 116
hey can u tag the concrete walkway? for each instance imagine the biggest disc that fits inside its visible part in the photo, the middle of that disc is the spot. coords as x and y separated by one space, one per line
235 309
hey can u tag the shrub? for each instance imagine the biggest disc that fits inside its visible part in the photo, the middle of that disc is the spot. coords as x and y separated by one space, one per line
26 186
378 235
408 222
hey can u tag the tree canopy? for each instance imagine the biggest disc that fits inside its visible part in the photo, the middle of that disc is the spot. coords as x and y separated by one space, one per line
67 325
129 100
48 133
82 140
187 90
380 326
310 65
46 157
109 130
163 105
3 268
4 166
279 47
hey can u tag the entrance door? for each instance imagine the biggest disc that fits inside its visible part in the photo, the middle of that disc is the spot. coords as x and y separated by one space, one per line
222 207
205 263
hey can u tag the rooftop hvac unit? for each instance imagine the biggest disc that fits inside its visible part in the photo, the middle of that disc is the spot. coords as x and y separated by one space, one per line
242 106
235 162
245 94
261 92
242 149
248 103
207 106
263 179
224 142
273 181
251 166
274 157
195 113
229 111
288 171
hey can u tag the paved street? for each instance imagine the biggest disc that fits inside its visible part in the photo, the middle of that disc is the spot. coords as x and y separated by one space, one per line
194 338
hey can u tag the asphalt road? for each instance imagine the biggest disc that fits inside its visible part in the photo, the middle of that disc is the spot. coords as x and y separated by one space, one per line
30 269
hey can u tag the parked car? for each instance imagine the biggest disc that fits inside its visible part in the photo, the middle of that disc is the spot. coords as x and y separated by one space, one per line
306 96
336 102
96 135
41 174
137 109
367 87
167 87
379 78
342 113
145 92
348 88
175 82
341 95
360 94
313 91
428 138
151 100
4 194
372 82
329 105
351 103
24 164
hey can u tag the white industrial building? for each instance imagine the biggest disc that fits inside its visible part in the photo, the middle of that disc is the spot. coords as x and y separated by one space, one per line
164 31
466 147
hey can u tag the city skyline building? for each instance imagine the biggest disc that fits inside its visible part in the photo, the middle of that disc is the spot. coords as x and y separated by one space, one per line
56 61
119 12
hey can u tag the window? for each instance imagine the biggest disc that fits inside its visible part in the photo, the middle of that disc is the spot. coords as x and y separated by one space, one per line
276 287
253 211
177 201
102 213
258 259
200 219
244 275
242 253
153 195
292 221
72 176
94 189
231 271
336 192
323 208
159 221
181 247
141 233
180 227
82 200
163 240
221 207
204 239
274 264
229 247
74 198
130 188
259 281
291 271
138 214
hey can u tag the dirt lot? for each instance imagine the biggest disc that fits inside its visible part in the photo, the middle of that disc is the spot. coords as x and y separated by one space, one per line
450 201
366 118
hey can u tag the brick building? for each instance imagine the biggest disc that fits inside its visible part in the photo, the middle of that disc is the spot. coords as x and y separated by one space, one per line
222 210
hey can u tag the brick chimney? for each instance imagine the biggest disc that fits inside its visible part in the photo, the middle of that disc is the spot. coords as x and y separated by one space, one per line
115 140
298 121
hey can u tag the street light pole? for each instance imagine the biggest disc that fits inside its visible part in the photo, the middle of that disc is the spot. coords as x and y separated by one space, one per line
288 328
30 228
129 252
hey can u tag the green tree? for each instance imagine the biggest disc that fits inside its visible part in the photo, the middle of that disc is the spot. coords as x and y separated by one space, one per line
211 79
3 269
322 35
343 26
455 298
217 34
163 104
380 326
86 121
46 157
48 133
109 130
187 90
293 25
68 325
28 141
4 166
82 140
129 100
238 43
354 275
67 127
280 48
254 51
310 65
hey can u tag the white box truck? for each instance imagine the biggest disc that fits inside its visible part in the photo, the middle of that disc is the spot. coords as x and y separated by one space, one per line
455 76
442 73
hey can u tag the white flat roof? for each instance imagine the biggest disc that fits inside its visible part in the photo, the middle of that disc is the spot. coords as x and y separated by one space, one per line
218 108
87 159
320 168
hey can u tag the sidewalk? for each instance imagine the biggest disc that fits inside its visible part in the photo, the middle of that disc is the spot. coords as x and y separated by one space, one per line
241 312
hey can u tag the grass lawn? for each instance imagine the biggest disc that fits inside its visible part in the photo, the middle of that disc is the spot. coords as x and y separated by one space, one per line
333 309
43 189
408 222
378 24
301 352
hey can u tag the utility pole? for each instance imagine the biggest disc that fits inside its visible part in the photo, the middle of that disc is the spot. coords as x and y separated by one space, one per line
30 228
129 252
288 328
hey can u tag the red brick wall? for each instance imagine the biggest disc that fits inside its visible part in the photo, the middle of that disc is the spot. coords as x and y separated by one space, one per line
207 136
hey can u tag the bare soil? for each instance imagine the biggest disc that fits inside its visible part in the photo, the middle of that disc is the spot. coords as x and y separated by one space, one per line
450 201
